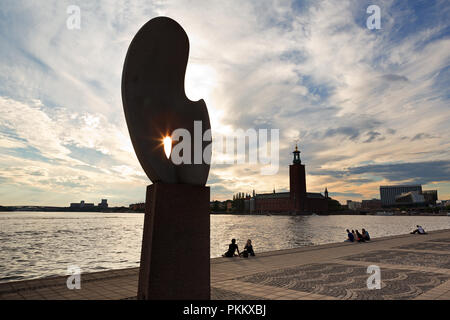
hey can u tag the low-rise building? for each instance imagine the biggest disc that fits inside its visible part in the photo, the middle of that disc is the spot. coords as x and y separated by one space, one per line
353 205
373 204
388 193
103 204
82 205
430 196
410 198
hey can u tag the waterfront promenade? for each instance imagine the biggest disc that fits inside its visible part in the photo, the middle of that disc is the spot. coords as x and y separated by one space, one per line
412 267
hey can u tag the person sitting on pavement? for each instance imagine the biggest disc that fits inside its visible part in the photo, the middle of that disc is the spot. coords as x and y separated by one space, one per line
350 237
354 235
231 249
419 230
365 235
248 249
359 236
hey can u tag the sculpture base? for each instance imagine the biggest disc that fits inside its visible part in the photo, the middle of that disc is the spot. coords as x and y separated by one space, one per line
175 256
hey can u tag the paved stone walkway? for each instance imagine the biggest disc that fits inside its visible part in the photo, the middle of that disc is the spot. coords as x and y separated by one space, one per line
412 267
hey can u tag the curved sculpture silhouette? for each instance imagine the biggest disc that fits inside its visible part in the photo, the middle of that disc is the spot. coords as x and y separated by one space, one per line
175 254
155 103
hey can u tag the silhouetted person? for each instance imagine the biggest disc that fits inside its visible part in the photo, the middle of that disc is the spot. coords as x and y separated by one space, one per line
350 237
231 249
419 230
365 235
359 236
248 249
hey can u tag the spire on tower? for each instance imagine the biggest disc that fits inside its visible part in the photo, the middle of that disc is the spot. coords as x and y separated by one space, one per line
296 156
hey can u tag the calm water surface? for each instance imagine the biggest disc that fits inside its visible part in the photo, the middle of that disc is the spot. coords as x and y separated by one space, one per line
38 244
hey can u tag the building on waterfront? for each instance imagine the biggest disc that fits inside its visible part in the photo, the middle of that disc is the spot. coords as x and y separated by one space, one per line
353 205
221 206
430 196
388 193
103 204
443 203
373 204
394 195
82 205
85 206
410 198
296 201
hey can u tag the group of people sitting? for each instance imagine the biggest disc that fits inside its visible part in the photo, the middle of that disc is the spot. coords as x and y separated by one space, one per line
364 236
356 236
233 247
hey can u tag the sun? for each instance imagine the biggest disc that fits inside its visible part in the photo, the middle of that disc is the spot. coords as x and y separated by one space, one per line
167 141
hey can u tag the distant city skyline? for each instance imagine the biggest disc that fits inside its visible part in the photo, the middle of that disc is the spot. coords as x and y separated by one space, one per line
367 107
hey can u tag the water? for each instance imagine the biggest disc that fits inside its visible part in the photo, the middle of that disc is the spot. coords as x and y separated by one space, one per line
39 244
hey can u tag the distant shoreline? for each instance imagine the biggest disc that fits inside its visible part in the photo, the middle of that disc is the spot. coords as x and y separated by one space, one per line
66 209
127 210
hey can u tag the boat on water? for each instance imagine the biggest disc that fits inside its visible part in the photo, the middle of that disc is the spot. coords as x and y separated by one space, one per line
385 213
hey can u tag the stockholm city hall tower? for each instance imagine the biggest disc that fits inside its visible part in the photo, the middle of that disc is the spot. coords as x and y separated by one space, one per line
297 183
302 201
297 201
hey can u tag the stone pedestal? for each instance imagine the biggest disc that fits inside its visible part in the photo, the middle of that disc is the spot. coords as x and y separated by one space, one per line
175 256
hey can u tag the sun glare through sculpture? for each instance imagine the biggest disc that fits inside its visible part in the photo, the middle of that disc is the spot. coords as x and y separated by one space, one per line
167 146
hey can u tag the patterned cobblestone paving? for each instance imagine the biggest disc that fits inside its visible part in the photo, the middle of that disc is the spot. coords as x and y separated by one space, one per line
413 267
349 282
427 246
422 259
441 240
222 294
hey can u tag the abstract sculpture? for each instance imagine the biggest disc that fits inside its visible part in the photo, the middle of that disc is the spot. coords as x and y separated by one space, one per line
175 246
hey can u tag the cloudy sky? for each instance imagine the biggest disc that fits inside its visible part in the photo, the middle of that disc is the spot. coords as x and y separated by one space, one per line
369 107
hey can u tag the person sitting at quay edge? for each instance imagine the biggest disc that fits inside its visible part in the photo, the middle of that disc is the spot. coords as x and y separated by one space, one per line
365 235
355 237
350 237
231 249
359 236
248 249
419 230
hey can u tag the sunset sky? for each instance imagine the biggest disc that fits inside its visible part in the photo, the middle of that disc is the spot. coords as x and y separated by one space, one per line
369 107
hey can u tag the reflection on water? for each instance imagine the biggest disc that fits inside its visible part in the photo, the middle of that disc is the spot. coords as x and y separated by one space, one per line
38 244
